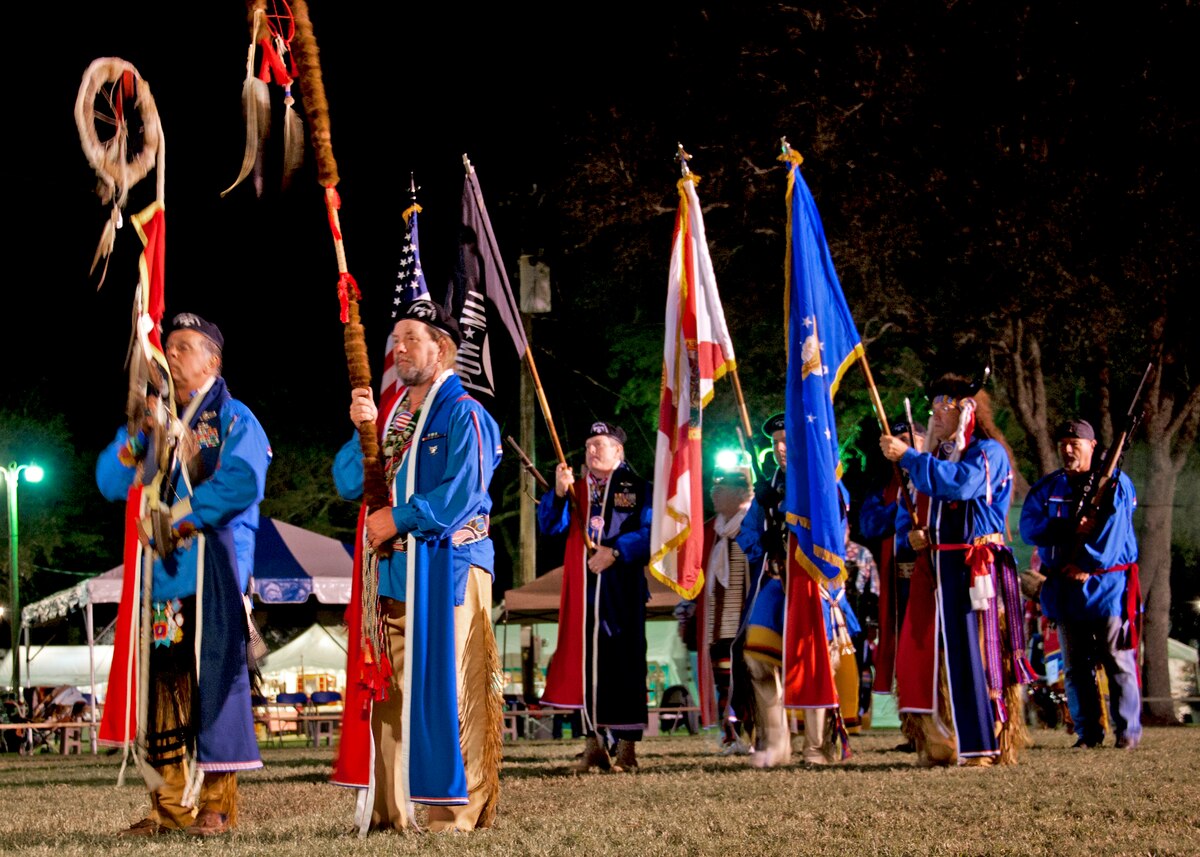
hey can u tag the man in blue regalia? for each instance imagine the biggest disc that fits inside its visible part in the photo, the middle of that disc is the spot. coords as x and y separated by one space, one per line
600 663
436 725
973 658
199 724
1091 587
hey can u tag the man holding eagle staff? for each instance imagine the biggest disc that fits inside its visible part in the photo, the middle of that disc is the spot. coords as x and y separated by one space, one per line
199 724
435 723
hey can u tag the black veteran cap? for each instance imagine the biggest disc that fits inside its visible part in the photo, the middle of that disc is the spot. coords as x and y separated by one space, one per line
602 428
1081 429
773 425
191 321
434 315
953 385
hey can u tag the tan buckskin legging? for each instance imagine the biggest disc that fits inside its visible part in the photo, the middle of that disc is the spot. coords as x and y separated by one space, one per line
472 633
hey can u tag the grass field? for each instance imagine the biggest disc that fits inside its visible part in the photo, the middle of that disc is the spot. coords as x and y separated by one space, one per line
686 800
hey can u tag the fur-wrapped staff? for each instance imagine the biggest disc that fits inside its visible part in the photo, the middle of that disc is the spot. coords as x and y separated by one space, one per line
447 759
308 63
375 489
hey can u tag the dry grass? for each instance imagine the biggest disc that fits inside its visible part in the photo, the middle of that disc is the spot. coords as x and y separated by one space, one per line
686 800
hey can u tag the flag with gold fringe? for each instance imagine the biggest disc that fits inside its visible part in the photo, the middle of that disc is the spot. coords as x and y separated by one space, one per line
697 351
822 344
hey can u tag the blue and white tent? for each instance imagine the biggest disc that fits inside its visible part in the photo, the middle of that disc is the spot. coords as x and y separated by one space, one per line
290 564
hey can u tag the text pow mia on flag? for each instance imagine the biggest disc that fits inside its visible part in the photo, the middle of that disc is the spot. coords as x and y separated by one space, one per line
482 282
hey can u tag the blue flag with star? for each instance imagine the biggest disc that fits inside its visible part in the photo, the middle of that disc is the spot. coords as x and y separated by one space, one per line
822 344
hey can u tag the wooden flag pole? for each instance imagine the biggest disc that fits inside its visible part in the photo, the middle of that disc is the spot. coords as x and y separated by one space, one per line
881 415
876 402
533 373
577 497
745 414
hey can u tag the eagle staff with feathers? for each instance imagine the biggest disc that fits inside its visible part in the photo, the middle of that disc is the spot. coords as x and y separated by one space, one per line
179 691
437 764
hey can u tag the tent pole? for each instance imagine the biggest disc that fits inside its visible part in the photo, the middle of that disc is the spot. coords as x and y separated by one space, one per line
91 638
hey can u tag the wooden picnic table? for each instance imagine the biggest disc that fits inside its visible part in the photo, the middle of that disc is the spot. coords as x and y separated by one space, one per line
69 732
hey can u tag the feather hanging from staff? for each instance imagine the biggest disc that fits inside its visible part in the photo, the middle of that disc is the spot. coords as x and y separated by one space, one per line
256 107
276 49
293 138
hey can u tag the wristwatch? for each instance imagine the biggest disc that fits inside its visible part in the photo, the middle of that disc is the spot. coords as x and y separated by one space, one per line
616 553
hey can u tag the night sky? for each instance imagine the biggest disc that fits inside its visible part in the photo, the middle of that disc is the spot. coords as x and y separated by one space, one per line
408 93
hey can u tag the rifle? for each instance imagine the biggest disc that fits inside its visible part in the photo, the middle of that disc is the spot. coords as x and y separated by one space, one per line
527 464
1090 503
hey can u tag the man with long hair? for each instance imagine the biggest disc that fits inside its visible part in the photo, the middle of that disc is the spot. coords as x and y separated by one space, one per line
961 657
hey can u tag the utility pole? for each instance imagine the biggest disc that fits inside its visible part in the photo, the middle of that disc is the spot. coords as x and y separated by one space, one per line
535 298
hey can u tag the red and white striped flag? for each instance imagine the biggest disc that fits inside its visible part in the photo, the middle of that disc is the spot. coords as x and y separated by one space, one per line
697 351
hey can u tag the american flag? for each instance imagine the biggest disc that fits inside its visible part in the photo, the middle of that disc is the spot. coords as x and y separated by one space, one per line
410 286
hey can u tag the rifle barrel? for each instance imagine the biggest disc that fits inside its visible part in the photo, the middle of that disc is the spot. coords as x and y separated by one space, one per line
527 463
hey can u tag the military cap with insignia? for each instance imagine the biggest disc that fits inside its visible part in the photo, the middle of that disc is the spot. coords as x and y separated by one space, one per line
902 428
600 427
731 479
191 321
1080 429
955 382
434 315
773 425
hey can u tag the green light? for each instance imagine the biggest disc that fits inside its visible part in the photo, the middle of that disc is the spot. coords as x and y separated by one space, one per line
33 473
729 459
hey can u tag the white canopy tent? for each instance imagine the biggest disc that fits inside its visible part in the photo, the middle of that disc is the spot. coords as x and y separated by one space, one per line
665 651
319 649
290 564
46 666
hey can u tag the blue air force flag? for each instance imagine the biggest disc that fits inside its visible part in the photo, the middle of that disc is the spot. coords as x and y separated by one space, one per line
822 344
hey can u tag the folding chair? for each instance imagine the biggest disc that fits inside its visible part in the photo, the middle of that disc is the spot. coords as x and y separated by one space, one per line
298 702
325 727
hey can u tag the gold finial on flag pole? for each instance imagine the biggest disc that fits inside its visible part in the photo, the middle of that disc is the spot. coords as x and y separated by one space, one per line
683 157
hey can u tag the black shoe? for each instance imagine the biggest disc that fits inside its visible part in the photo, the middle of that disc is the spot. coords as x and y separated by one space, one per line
906 747
1085 744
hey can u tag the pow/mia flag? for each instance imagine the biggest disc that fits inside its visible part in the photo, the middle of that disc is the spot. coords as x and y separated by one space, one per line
482 286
